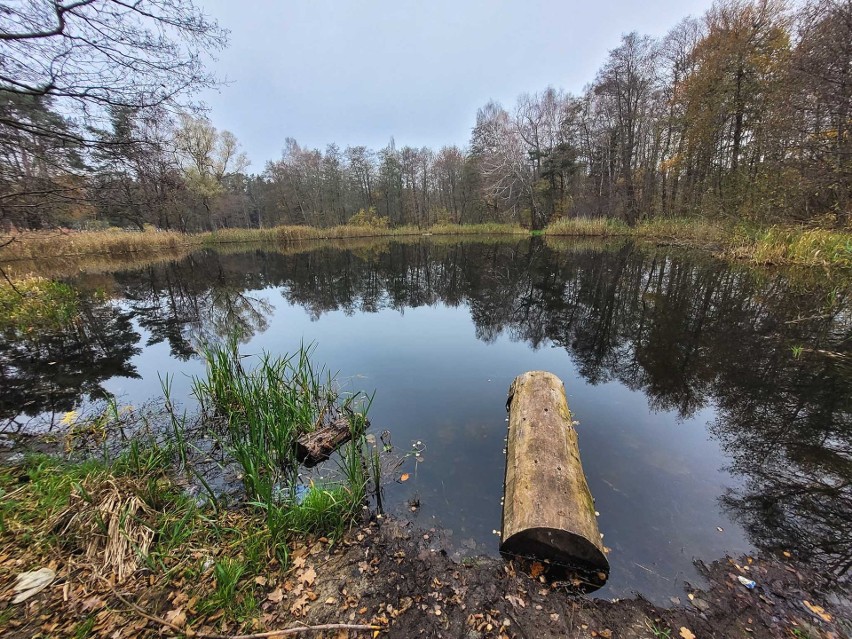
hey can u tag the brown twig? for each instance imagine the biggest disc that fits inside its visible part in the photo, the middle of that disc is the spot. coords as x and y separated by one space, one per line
10 282
188 632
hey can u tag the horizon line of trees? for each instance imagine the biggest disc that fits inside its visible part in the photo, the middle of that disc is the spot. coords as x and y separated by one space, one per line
745 112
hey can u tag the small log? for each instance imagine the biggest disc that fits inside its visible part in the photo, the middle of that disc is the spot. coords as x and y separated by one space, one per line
312 448
548 510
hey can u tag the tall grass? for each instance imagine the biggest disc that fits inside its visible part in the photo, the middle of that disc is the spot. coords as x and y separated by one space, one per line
37 245
53 244
40 251
686 229
799 246
591 226
265 410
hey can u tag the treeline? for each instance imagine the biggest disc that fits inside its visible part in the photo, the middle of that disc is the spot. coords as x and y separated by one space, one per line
743 113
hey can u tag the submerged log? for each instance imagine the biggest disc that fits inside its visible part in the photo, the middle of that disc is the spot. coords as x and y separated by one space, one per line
548 510
317 446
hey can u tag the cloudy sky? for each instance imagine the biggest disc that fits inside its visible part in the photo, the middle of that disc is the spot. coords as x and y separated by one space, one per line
360 72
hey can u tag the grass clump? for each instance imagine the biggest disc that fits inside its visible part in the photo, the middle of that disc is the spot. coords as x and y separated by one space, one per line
266 408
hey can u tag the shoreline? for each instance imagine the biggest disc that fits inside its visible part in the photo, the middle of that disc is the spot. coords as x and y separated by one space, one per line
762 246
388 578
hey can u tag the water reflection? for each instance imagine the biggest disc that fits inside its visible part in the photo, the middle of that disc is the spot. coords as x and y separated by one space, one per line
767 354
48 371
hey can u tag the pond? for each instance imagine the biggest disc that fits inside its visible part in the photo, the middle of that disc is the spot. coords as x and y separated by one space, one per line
714 404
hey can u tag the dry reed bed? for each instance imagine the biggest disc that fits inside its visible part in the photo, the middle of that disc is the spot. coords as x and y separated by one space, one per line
773 245
768 245
38 245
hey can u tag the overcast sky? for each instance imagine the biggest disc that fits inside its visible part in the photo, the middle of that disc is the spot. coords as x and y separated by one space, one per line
359 72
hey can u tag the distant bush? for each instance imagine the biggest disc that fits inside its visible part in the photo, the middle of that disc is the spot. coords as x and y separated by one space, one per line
369 218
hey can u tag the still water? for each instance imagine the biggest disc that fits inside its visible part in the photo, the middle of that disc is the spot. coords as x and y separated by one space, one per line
714 404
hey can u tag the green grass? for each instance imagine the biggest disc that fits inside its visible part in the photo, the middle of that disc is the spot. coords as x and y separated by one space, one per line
228 572
85 627
41 500
659 632
259 407
266 404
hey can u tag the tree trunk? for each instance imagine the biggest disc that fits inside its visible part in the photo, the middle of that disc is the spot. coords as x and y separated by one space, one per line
548 511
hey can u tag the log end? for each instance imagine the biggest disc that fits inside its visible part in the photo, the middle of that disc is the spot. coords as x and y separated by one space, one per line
561 547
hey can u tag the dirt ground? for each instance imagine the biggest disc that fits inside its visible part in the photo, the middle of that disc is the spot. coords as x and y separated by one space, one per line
391 575
406 582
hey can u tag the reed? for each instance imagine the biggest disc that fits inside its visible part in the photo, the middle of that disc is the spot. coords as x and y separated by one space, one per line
35 245
588 226
39 245
791 245
264 409
684 229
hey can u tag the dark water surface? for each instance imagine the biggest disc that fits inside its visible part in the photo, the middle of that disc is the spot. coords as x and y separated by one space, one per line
708 396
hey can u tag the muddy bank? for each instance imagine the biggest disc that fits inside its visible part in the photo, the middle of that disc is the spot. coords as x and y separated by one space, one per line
390 575
406 581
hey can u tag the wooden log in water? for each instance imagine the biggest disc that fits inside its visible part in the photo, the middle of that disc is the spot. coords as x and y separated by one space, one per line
317 446
548 510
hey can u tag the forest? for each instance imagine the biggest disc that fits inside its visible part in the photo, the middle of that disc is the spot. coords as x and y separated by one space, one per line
741 114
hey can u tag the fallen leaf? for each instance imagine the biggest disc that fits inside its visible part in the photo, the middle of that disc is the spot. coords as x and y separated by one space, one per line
686 633
299 605
308 576
260 581
819 611
536 569
176 617
93 603
516 601
404 477
606 633
276 595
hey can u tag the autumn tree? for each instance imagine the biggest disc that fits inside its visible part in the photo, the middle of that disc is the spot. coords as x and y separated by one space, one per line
86 58
821 108
206 158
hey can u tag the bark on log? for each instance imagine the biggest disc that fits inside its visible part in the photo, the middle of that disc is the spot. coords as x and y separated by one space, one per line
548 510
312 448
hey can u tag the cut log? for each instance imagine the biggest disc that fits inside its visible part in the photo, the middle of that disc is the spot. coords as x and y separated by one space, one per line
312 448
548 510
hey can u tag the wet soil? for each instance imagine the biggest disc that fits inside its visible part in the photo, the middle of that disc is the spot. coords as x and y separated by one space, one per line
407 582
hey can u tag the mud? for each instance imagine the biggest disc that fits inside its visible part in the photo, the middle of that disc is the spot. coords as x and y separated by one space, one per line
408 584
